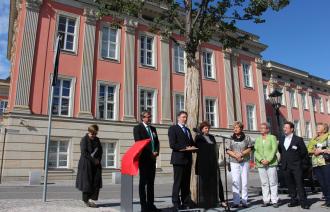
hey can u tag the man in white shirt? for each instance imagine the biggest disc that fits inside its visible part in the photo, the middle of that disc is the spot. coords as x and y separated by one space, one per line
293 152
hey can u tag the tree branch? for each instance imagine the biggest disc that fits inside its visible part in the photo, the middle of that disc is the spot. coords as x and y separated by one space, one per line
200 11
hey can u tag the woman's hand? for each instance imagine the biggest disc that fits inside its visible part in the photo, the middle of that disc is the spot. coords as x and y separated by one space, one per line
318 151
97 162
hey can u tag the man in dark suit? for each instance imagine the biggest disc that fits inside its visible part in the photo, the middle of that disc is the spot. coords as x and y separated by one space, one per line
181 143
147 161
293 151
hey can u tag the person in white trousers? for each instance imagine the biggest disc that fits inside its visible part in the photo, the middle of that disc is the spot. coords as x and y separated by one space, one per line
239 150
265 149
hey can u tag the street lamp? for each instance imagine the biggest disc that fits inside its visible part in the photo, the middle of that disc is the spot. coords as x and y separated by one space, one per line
275 99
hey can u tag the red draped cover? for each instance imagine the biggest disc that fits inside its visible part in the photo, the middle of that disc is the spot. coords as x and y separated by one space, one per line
130 161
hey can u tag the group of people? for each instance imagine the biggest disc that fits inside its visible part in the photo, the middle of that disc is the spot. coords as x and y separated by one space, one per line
293 153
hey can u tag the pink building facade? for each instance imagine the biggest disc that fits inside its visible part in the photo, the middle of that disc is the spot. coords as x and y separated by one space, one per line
108 75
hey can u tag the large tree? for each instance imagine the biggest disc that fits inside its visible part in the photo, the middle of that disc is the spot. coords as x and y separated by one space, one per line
197 21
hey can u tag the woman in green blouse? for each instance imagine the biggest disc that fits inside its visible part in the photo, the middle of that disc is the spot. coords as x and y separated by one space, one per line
265 150
317 147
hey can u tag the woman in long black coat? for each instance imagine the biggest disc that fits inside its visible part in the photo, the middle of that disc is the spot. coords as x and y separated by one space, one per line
89 176
207 169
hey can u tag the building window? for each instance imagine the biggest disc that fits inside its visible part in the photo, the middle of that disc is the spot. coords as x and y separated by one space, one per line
247 74
211 112
109 154
3 106
297 127
266 93
179 103
251 117
147 50
110 43
62 98
179 58
208 68
282 98
314 103
107 102
308 130
147 102
293 98
67 30
269 122
328 105
58 154
321 105
304 101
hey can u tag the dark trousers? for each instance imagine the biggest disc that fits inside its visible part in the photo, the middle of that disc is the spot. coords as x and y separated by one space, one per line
322 174
294 181
90 195
181 183
147 179
221 193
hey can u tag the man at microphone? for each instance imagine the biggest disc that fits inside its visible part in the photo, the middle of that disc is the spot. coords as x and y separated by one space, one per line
182 144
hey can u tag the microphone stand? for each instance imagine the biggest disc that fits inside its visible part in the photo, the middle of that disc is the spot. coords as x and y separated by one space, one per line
225 165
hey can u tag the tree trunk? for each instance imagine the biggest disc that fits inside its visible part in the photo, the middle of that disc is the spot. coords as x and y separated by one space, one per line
192 101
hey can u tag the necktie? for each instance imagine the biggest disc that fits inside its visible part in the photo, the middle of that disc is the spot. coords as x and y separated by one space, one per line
152 139
185 131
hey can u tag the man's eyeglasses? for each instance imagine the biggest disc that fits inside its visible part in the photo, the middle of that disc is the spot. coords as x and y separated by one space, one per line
146 116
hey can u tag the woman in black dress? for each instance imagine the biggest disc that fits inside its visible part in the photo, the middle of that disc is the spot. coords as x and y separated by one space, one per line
207 169
89 176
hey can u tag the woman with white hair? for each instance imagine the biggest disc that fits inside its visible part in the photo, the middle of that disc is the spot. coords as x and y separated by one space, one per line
265 149
239 151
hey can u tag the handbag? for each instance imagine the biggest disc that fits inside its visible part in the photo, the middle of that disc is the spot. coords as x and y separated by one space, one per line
326 156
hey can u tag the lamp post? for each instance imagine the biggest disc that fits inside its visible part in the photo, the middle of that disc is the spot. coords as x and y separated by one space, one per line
275 99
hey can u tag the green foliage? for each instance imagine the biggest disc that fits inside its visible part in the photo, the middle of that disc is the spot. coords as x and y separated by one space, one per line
197 21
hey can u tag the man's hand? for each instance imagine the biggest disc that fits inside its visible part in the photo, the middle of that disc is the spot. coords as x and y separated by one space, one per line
97 162
265 162
155 154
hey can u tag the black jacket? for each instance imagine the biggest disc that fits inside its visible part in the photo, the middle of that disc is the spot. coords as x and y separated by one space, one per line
140 133
207 156
296 155
179 140
89 175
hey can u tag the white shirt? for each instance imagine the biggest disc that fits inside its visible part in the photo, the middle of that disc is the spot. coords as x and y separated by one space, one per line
147 126
287 141
182 126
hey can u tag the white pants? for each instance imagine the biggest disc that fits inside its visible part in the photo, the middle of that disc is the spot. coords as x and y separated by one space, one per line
239 173
269 184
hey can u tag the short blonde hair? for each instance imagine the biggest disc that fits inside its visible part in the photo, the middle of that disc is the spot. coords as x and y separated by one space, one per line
325 126
238 123
265 124
93 128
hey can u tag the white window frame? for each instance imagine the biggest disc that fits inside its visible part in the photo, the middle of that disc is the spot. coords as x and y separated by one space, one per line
3 102
266 92
175 46
212 65
175 94
297 127
118 42
254 127
314 103
308 129
293 98
321 105
328 106
58 140
216 110
116 99
304 101
105 144
72 92
249 75
154 50
154 108
76 32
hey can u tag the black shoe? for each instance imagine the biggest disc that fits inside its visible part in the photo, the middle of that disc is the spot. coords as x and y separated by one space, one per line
265 205
275 205
245 205
293 203
175 209
304 206
234 206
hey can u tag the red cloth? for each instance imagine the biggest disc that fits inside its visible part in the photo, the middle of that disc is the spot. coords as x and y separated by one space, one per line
130 161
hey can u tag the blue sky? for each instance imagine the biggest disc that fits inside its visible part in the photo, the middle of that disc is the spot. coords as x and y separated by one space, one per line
297 36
